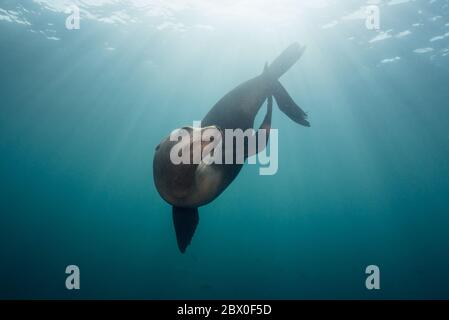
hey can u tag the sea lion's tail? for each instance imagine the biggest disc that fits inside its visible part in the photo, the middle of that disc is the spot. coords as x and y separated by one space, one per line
278 67
285 60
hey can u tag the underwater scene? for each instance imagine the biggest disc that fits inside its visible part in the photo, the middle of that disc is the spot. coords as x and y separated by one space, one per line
347 199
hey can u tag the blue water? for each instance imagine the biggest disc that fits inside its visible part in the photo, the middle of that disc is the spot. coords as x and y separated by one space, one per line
82 111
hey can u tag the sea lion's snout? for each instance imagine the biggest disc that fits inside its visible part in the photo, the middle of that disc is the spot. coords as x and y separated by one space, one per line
199 137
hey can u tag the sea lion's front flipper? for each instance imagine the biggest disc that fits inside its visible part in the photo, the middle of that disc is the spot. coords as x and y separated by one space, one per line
185 221
288 106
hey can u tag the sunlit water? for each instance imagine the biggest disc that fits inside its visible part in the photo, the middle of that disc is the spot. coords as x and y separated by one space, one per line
82 110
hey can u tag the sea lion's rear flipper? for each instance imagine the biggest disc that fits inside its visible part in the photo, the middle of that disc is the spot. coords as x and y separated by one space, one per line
185 221
265 125
288 106
285 60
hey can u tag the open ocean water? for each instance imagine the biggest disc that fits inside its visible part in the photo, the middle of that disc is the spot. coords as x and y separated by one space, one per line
82 110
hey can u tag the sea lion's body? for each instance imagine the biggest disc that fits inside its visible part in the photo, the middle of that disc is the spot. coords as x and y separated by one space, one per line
188 186
237 110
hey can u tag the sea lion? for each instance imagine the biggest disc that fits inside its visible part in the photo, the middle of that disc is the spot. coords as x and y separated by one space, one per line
187 186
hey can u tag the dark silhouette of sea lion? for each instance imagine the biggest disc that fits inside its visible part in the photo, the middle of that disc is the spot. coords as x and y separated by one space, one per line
189 186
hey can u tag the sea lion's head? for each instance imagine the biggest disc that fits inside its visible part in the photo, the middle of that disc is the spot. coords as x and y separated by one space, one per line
181 171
